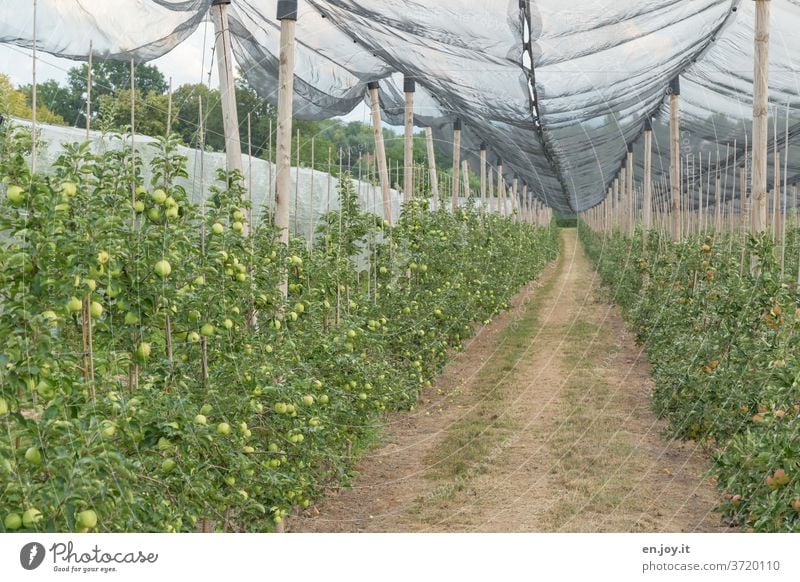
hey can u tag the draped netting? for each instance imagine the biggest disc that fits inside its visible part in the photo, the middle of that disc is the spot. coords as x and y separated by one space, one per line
557 90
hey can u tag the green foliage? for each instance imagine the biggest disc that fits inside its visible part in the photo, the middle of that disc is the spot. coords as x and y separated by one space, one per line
726 357
206 395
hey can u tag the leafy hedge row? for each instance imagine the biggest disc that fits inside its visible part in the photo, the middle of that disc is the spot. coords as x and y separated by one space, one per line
208 400
725 351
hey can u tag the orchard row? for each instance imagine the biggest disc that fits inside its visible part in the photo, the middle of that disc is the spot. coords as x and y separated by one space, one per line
153 377
725 349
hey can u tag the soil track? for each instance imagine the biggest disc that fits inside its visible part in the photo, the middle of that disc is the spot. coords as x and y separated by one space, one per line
542 424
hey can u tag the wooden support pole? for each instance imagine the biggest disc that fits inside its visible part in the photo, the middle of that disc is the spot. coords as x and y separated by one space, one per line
760 117
675 159
380 150
483 179
34 91
501 202
227 86
490 180
514 199
456 162
434 177
287 15
647 203
629 189
89 93
718 207
408 179
623 199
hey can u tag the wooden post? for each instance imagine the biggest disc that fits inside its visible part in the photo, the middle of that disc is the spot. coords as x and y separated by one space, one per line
380 150
760 116
456 162
483 179
408 180
514 201
623 199
615 204
629 189
718 207
434 178
287 14
647 204
89 93
501 202
227 86
34 90
491 205
525 203
675 160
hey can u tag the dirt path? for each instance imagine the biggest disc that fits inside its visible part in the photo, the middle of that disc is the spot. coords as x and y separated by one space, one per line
542 424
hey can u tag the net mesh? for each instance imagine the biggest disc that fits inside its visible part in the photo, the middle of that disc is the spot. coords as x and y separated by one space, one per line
558 91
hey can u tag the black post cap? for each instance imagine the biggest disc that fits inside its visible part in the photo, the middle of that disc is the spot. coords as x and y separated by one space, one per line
218 2
457 125
373 85
409 85
484 147
287 10
648 125
499 161
675 86
630 148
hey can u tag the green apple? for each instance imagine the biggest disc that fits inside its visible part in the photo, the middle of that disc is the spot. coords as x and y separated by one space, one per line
171 213
193 337
217 228
238 215
248 449
207 330
224 428
102 257
95 309
154 214
108 428
87 518
159 196
163 268
227 324
280 408
143 351
200 419
131 318
168 465
230 480
206 409
308 400
299 308
3 406
13 521
324 399
15 195
384 270
31 517
237 227
138 206
33 456
74 305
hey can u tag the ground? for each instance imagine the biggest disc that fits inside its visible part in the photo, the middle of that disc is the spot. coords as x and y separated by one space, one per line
542 425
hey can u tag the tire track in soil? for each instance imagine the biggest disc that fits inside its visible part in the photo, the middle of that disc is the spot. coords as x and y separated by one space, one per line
542 424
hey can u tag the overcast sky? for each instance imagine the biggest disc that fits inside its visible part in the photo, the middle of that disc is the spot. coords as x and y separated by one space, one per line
189 62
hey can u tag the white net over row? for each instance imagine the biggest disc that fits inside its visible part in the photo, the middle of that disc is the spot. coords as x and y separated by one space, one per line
558 90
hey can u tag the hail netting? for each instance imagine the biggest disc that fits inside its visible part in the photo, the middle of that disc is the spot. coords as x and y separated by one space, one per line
560 117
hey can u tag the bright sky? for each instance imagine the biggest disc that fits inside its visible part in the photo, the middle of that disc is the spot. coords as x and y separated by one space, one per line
189 62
